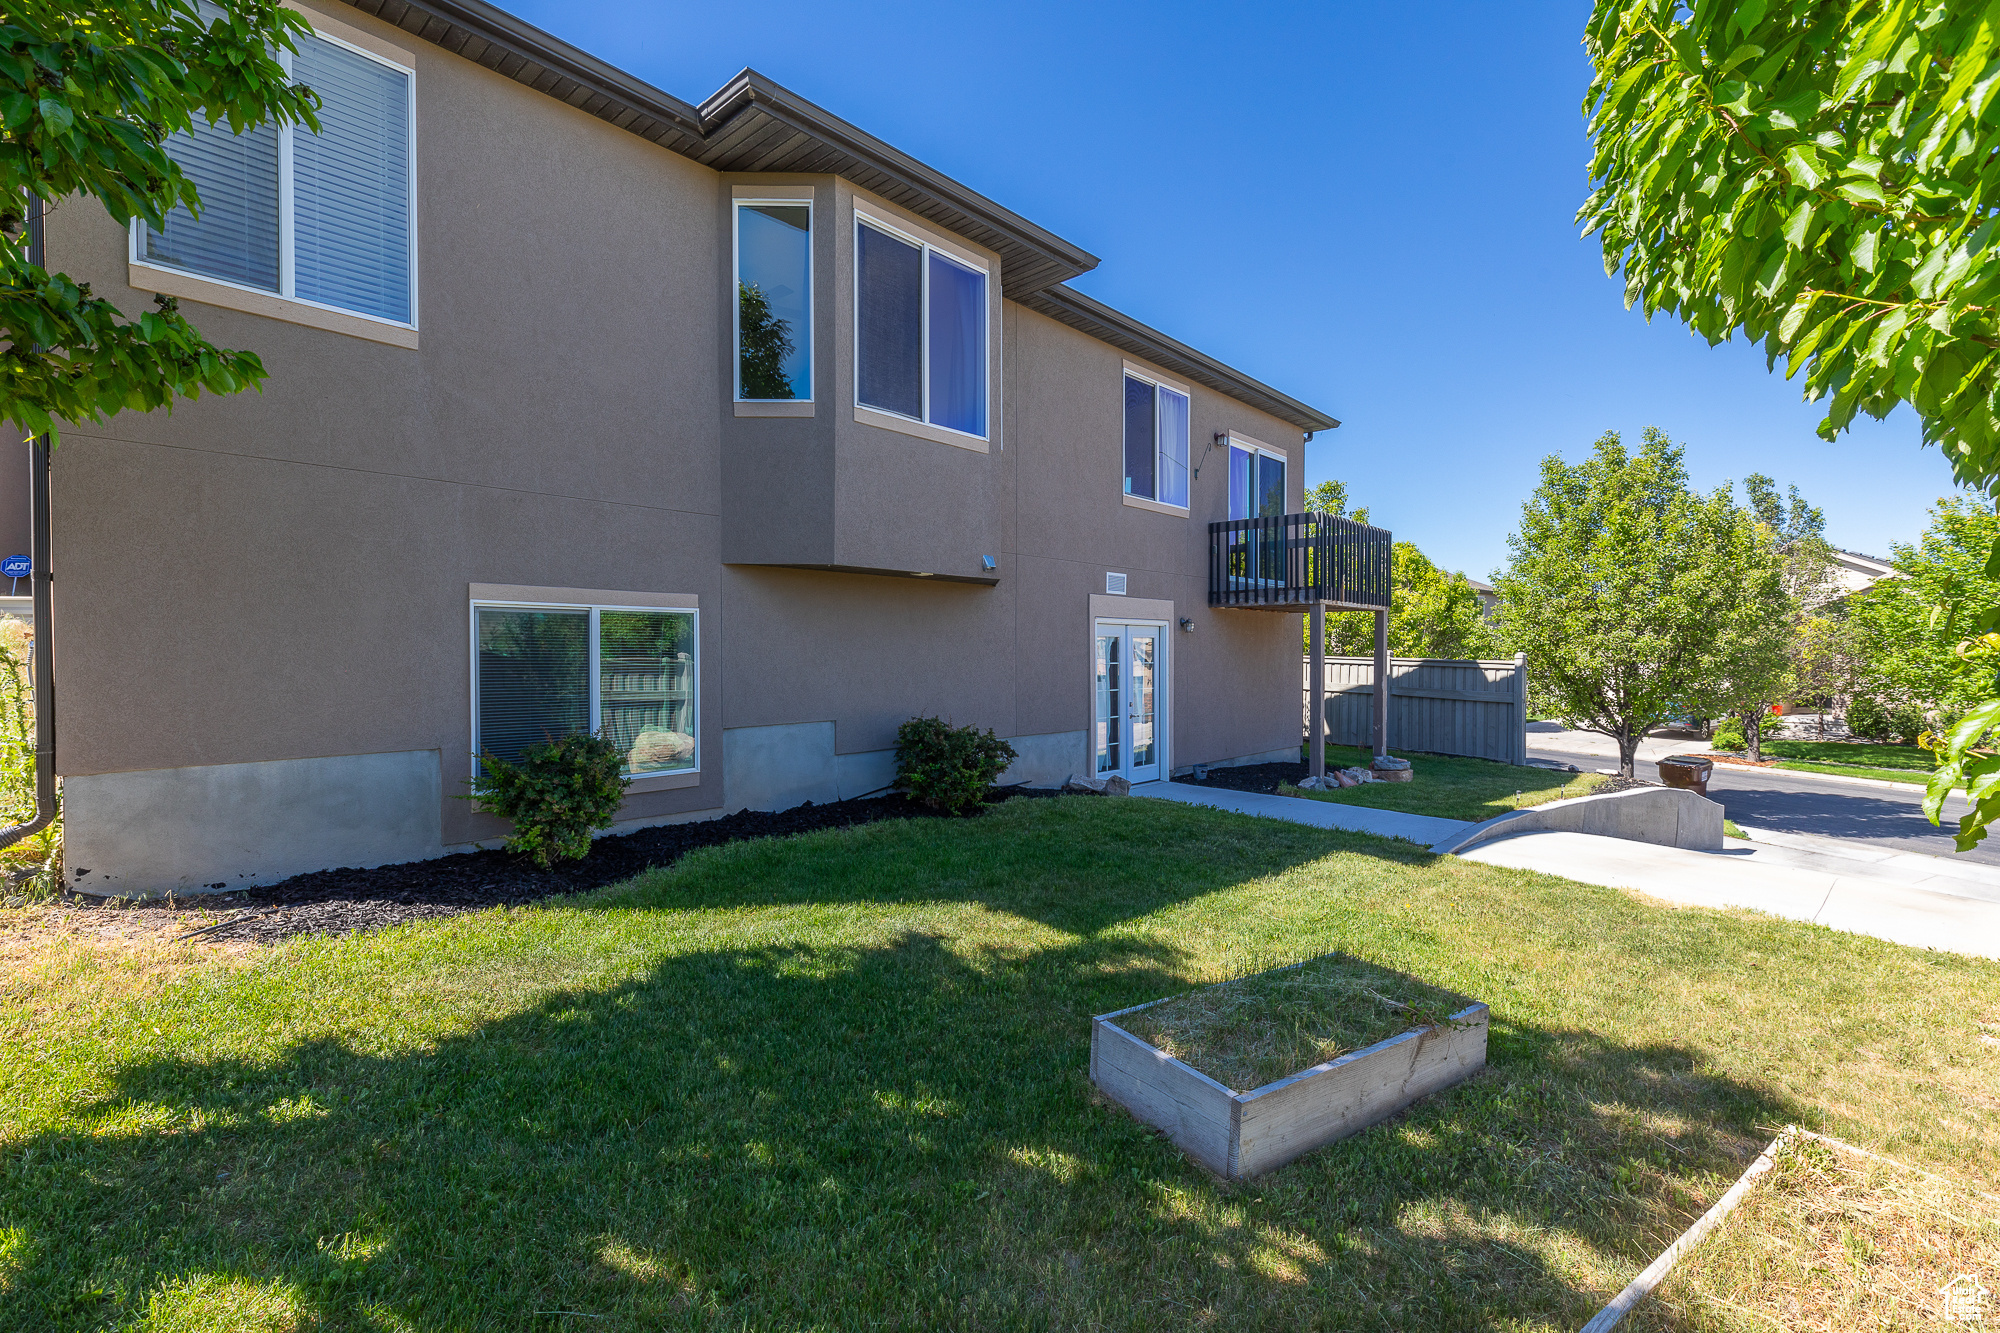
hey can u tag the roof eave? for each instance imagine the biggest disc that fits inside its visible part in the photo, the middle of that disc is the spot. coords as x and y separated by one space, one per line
1073 308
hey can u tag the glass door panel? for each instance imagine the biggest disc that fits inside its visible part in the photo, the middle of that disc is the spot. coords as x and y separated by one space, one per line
1110 701
1142 712
1131 694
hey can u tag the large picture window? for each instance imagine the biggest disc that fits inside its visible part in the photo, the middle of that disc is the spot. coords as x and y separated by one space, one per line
628 673
323 218
1156 441
920 331
773 300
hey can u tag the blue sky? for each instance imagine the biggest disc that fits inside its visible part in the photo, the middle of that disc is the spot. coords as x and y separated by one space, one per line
1366 205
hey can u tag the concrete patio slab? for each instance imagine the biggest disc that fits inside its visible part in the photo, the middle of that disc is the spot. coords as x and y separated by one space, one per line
1425 829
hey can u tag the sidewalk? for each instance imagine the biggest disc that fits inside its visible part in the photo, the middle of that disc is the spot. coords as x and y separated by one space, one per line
1904 897
1901 897
1424 829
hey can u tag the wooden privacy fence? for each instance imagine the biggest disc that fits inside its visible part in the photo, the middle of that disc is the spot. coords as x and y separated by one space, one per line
1435 704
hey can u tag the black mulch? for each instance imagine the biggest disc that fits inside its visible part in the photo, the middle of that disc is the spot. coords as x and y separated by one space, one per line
1250 777
1269 777
338 902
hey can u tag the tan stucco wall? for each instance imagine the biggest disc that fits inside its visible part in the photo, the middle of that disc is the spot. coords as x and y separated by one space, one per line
284 575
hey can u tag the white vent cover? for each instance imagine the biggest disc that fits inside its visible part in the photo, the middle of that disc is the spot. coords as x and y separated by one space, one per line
1115 584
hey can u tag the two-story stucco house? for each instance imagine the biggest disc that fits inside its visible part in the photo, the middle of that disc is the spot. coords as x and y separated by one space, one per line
727 429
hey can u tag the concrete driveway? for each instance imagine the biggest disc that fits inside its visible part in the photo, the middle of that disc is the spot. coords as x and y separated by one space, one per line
1885 815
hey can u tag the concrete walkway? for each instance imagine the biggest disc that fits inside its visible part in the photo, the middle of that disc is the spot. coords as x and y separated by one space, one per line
1903 897
1885 895
1425 829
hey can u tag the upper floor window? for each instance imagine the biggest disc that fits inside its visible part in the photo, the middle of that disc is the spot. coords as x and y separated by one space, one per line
323 217
773 300
920 319
1156 441
1256 480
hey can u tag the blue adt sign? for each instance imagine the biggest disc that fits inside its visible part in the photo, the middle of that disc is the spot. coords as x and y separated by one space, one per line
16 567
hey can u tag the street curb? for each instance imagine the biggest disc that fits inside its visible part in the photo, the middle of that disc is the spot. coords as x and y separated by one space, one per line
1830 777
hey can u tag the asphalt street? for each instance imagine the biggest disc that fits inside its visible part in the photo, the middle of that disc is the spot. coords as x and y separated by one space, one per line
1790 803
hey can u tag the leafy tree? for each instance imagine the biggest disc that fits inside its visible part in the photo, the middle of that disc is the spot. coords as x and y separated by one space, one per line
1791 545
1330 497
1897 619
1629 593
90 90
766 342
1432 613
1821 177
1828 665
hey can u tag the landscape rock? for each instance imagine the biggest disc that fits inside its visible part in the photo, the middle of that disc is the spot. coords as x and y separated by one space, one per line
1078 784
1117 786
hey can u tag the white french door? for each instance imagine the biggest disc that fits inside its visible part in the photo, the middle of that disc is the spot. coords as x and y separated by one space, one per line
1131 709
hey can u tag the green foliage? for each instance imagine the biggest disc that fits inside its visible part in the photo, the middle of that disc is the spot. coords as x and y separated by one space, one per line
89 92
1900 621
1867 718
1635 599
17 758
1820 176
1729 735
1330 498
560 793
766 342
1432 613
948 768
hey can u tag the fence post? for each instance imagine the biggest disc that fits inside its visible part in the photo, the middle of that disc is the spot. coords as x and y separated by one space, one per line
1381 682
1316 694
1521 707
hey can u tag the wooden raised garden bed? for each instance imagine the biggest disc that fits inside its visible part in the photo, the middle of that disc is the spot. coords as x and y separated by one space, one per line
1328 1015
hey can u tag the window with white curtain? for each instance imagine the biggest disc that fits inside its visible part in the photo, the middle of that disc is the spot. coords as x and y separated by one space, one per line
543 672
324 218
920 318
1156 441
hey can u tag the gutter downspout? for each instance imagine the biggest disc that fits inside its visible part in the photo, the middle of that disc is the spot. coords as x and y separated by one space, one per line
40 585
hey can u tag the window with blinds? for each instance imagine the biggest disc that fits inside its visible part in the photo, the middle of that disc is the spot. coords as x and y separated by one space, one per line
337 231
628 674
920 331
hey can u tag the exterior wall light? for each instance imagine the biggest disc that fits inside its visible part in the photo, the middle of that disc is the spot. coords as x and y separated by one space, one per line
989 562
1187 624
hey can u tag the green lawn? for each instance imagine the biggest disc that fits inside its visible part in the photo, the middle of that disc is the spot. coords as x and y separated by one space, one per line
1855 759
840 1081
1450 787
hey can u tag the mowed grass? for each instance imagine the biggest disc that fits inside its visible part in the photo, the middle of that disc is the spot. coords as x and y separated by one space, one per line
1854 759
1450 787
840 1081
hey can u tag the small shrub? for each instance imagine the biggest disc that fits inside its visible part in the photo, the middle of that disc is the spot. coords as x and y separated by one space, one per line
560 793
1868 719
1906 723
948 768
1729 735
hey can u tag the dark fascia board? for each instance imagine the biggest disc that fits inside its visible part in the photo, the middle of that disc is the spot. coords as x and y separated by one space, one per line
496 39
1100 321
1032 257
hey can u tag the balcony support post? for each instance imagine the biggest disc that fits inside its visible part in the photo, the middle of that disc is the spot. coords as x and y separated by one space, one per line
1381 682
1316 694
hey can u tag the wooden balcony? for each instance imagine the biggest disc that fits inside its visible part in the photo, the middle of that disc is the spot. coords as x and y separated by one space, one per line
1288 562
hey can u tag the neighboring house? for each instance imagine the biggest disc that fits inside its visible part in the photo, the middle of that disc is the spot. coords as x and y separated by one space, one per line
1852 572
729 430
1488 595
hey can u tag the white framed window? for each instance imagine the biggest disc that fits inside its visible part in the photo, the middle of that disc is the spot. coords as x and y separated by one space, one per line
323 219
542 670
1256 479
920 329
773 330
1156 439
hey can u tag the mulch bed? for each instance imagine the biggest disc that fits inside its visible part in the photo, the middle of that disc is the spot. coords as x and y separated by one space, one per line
1269 777
339 902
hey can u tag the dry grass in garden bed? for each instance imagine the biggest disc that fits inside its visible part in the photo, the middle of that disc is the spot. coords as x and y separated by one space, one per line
1834 1240
1259 1029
